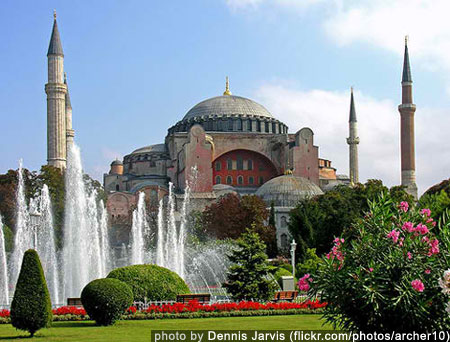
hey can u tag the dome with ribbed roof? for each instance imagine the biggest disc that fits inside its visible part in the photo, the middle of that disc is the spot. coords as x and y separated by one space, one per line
287 190
227 105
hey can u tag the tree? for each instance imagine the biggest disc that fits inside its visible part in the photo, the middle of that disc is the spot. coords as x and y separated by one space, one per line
31 308
231 215
248 276
315 222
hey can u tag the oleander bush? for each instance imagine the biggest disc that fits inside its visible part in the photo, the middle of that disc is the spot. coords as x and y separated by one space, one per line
105 300
31 308
387 277
151 282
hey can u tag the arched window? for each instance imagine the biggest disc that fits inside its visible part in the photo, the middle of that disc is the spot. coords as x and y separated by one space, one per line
218 166
229 180
239 125
284 240
229 164
249 125
218 180
117 187
230 124
266 125
154 195
258 126
250 164
240 180
261 180
250 180
283 221
240 163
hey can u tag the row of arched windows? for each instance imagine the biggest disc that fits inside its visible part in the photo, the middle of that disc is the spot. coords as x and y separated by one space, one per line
240 180
240 164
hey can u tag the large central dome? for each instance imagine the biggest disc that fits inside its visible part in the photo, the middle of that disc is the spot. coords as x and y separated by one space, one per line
227 105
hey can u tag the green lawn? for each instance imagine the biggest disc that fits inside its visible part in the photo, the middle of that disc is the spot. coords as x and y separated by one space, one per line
140 330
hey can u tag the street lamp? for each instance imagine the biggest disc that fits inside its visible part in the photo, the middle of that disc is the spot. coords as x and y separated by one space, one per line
35 218
293 246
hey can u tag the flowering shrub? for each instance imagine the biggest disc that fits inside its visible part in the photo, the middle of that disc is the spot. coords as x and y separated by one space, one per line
387 277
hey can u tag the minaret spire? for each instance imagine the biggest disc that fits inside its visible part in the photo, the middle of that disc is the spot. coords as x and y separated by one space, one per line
407 144
227 88
353 141
56 91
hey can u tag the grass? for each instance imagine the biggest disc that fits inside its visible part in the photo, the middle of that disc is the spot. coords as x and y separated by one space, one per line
140 330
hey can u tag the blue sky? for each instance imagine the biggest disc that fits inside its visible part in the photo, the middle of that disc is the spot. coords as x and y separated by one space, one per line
136 67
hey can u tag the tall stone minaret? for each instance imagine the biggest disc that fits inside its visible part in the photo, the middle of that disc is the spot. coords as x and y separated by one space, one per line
70 133
56 102
353 141
407 109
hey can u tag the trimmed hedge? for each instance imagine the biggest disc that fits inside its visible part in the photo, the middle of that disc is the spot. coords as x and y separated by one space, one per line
281 272
31 308
105 300
151 281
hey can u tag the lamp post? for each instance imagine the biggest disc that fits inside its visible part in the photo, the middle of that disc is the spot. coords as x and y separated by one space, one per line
35 217
293 246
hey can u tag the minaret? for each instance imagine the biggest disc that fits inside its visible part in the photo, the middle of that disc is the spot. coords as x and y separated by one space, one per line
353 141
407 109
70 133
56 102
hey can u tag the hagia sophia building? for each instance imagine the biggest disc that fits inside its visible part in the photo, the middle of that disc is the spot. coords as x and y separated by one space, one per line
226 143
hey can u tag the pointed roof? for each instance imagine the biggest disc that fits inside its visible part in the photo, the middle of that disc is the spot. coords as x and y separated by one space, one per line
68 104
55 47
406 66
352 108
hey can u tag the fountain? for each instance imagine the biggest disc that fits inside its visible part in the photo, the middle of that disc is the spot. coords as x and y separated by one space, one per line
139 232
4 291
85 250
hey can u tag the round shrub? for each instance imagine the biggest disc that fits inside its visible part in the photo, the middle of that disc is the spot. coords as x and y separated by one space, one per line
151 282
105 300
31 308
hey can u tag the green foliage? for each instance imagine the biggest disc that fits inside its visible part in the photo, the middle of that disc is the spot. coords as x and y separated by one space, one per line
151 282
248 276
310 263
368 281
9 238
316 221
231 215
31 308
438 202
105 300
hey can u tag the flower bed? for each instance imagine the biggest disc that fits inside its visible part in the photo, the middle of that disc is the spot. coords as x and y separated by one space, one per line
193 309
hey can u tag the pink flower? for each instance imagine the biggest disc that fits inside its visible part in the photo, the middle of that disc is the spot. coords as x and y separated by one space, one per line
409 255
418 285
371 269
408 226
394 235
427 271
400 242
434 247
303 282
404 206
426 212
422 229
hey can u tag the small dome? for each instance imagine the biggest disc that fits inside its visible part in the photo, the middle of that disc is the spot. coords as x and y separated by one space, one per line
287 190
116 162
227 105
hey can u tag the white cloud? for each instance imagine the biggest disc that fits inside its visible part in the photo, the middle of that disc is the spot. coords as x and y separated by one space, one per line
326 113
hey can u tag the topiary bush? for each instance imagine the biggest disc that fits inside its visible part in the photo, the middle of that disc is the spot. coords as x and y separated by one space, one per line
387 277
31 308
281 272
151 282
105 300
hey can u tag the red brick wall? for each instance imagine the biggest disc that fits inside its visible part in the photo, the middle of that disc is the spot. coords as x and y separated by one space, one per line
261 167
